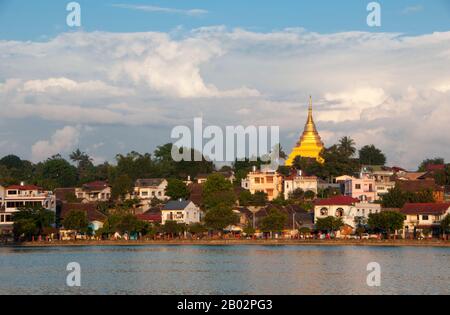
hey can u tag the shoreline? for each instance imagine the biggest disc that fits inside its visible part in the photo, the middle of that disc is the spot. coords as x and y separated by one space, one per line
334 243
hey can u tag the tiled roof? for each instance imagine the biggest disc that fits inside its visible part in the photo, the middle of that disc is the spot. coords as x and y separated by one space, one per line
90 208
97 185
435 167
149 182
418 185
149 217
24 187
425 208
337 201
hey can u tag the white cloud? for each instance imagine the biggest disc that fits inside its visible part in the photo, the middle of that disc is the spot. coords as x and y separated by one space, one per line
152 8
388 89
61 141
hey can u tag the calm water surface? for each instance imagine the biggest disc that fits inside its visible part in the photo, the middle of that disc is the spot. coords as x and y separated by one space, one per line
264 270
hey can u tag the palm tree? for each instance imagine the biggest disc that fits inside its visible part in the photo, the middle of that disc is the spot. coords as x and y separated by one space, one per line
347 146
82 160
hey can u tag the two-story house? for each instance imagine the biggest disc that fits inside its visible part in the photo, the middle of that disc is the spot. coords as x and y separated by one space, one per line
182 212
266 180
94 192
16 197
349 209
424 216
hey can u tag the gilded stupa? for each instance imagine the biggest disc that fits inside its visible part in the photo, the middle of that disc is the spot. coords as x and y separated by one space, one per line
310 144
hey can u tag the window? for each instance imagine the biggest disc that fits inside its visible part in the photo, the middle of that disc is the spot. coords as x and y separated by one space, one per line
12 192
269 180
324 211
425 218
144 193
339 213
357 186
257 180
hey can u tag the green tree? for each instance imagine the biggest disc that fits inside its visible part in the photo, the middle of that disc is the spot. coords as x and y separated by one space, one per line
172 228
304 231
274 221
347 146
32 221
394 198
121 187
217 191
85 167
56 172
297 194
370 155
219 217
329 224
249 230
197 229
76 220
445 225
310 195
177 189
386 221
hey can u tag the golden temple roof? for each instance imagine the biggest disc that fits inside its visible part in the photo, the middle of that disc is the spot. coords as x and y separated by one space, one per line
310 144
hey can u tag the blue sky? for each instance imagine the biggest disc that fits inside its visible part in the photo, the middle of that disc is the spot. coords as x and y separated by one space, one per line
35 20
246 62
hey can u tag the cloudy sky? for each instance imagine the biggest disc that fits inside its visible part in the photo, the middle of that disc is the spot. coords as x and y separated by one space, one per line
134 71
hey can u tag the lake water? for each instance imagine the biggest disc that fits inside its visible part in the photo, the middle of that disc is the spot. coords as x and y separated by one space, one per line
197 270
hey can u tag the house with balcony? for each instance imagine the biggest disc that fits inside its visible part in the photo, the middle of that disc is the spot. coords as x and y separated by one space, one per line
424 216
20 196
182 212
383 177
363 189
94 192
300 181
349 209
265 180
147 189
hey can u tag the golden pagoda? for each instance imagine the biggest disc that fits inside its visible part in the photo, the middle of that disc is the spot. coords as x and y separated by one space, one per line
310 144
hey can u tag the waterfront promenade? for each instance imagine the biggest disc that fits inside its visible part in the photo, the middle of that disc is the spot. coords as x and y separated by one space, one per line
234 242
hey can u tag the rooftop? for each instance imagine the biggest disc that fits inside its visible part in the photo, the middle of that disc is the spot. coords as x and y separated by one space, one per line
337 201
149 182
425 208
177 205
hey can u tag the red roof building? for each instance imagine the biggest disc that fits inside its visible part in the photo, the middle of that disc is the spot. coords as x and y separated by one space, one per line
337 201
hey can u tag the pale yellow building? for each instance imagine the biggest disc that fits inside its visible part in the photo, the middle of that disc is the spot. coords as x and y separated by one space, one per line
310 144
265 180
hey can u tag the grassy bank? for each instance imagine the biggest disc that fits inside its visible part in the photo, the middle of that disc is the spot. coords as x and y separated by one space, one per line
390 243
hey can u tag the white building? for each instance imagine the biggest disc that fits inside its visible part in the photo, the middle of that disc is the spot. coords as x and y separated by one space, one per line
424 216
305 183
147 189
94 192
182 212
349 209
16 197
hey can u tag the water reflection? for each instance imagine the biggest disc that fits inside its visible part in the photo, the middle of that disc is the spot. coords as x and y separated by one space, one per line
196 270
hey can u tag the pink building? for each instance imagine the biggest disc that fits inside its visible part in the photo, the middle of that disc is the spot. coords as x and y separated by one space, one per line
363 189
